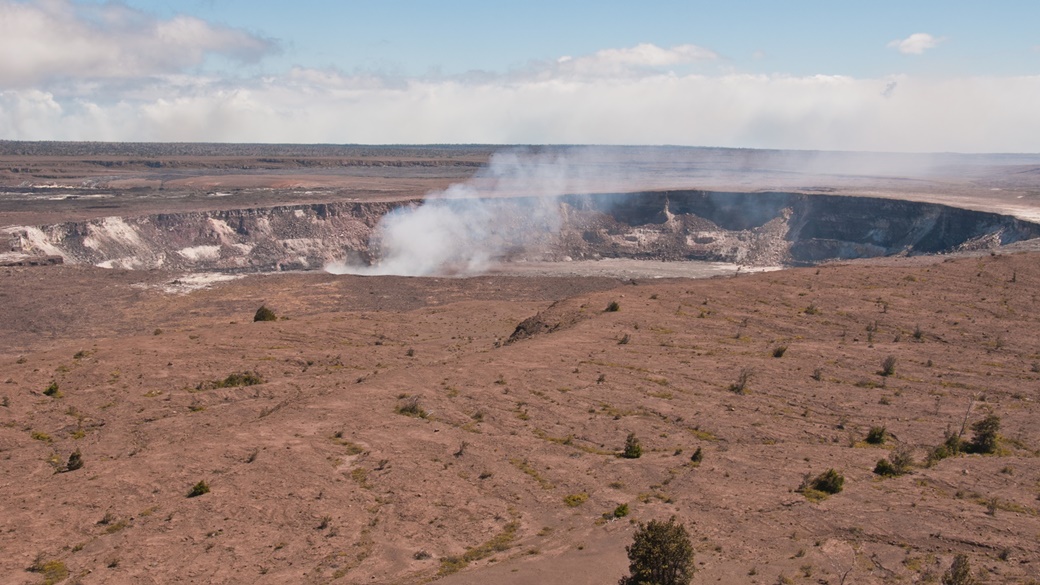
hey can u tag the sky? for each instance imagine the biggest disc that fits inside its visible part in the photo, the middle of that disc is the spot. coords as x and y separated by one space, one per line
906 76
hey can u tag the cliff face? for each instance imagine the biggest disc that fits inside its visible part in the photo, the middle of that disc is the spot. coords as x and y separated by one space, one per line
748 228
267 239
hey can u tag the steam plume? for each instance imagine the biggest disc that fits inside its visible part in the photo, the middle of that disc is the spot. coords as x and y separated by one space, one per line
509 209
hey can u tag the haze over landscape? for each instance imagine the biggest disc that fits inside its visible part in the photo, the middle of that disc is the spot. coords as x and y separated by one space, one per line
888 76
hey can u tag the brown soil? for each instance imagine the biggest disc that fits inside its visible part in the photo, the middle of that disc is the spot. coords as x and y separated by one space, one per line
315 478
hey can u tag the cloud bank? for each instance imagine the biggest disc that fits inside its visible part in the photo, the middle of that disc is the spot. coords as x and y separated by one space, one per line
108 72
994 114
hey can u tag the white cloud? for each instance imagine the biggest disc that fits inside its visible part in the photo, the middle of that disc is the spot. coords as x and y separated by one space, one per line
639 60
915 44
614 96
45 40
765 111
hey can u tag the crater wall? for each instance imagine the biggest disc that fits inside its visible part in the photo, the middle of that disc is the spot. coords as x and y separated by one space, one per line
766 228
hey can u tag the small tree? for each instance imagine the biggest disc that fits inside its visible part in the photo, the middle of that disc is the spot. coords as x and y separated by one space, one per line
633 450
985 439
660 554
959 572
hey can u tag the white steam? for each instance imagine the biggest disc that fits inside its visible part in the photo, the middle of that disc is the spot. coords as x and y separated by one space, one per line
510 209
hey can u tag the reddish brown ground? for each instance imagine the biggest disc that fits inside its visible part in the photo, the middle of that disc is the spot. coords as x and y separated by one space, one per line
315 478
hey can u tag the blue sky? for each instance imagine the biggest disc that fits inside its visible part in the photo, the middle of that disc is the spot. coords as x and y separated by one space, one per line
893 76
796 37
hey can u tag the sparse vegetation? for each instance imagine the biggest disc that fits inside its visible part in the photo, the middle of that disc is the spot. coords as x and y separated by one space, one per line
660 554
877 435
888 366
632 450
950 448
575 500
53 571
959 572
461 450
498 543
411 406
828 483
242 379
75 461
620 511
743 379
264 314
198 489
613 307
52 390
697 456
899 462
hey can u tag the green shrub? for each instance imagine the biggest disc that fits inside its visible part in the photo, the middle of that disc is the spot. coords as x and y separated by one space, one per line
633 450
985 439
876 435
899 462
884 468
52 390
950 448
199 489
621 511
660 554
264 314
817 488
613 307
